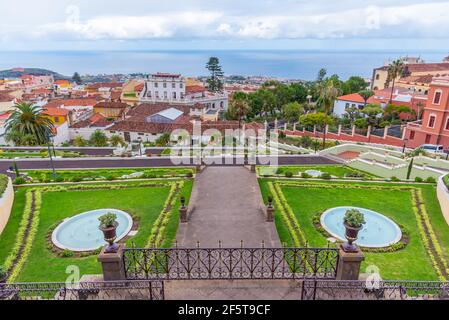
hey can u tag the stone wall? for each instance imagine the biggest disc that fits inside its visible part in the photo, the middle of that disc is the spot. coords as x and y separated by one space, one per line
6 201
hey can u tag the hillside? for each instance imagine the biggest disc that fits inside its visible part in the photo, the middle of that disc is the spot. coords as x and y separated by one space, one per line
12 73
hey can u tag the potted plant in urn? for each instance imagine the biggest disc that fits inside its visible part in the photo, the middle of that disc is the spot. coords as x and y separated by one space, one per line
353 222
108 225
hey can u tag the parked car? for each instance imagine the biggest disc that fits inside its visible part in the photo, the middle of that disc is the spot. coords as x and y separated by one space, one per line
433 148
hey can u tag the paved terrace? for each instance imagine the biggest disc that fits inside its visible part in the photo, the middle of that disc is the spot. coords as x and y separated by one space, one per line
91 163
228 207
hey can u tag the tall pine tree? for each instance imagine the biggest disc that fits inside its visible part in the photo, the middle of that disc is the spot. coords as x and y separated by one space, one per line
77 78
215 82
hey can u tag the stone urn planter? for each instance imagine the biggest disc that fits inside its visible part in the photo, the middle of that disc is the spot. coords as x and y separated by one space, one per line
351 234
108 225
353 222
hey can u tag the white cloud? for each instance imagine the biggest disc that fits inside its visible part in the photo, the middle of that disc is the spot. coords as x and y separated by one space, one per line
252 20
418 20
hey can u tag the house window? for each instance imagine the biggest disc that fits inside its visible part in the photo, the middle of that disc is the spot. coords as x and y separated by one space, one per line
437 97
347 105
156 93
173 85
56 119
174 95
165 85
165 95
377 76
180 85
447 124
412 135
431 123
155 84
428 137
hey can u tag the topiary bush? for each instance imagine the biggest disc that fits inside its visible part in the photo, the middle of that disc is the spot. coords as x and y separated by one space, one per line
326 176
19 180
418 179
305 175
394 179
431 180
288 174
76 179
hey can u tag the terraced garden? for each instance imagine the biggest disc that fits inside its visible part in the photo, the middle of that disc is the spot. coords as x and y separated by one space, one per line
423 253
27 252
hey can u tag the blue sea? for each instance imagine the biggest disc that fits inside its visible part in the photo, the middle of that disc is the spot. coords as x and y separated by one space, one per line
294 64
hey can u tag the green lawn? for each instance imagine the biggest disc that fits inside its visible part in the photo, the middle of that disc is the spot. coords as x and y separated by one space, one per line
339 171
42 264
412 263
103 174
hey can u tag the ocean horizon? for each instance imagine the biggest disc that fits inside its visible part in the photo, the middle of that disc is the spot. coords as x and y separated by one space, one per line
292 64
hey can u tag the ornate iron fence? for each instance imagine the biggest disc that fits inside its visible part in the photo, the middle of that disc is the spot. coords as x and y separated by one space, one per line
111 290
382 290
230 263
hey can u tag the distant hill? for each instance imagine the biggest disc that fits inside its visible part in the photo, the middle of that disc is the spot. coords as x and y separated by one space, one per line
18 72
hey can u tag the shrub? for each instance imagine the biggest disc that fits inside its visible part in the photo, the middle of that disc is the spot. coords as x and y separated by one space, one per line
395 179
59 179
418 179
430 180
189 174
110 177
288 174
108 219
66 254
305 175
326 176
355 175
19 180
76 179
354 218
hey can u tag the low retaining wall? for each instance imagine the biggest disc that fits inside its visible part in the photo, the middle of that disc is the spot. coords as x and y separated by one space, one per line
443 198
6 202
388 140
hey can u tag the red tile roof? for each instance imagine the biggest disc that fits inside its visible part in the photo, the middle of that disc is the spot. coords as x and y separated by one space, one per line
55 111
111 105
194 89
71 103
353 97
96 120
98 85
4 97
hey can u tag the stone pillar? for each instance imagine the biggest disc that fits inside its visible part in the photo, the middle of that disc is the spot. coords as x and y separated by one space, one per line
339 129
252 168
368 133
285 126
353 131
294 127
349 264
270 211
386 132
112 264
183 214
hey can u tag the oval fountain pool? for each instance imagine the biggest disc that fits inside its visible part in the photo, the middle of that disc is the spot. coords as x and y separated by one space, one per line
378 232
81 233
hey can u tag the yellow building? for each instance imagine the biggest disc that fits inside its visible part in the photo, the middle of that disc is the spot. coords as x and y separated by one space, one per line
114 110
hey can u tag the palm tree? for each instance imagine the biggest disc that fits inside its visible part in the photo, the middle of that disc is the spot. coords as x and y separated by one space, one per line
116 140
395 70
27 125
328 93
366 94
239 106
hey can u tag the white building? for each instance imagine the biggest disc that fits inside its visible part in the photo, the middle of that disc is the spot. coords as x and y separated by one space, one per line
345 102
172 88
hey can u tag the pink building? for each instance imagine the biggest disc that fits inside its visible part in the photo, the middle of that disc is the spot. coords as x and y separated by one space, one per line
434 126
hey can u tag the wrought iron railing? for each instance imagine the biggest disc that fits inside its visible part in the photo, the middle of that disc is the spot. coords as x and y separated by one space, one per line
230 263
111 290
317 289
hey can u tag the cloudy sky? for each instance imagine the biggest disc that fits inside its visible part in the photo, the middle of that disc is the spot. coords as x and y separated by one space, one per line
224 24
